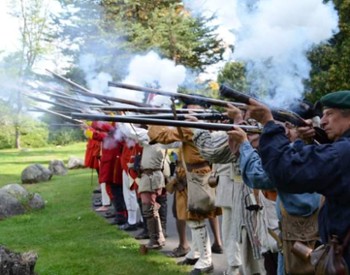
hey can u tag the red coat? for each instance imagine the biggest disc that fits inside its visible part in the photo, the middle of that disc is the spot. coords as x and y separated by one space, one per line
137 150
126 156
92 154
110 166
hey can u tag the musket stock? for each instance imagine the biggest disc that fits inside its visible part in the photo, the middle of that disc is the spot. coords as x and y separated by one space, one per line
278 114
166 122
181 96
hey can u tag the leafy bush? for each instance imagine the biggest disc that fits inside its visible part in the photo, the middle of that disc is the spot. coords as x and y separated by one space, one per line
34 134
6 139
65 136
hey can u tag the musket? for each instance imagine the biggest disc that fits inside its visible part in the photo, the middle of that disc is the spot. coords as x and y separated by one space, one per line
58 114
65 124
181 96
278 114
76 85
166 122
103 98
64 97
147 110
114 99
201 116
53 103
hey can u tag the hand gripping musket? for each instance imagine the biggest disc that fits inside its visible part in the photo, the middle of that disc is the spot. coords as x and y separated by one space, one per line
181 96
278 114
166 122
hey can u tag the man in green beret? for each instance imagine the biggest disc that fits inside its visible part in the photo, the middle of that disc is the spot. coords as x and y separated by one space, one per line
305 168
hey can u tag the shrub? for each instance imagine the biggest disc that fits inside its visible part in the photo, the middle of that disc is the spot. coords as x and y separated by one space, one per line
65 136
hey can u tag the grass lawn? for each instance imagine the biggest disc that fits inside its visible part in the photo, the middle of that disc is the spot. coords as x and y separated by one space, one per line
67 235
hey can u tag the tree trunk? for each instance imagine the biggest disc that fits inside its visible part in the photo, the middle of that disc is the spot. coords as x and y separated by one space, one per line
17 137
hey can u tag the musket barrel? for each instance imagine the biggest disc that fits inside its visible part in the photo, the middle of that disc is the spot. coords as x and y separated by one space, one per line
72 99
58 114
54 103
202 116
152 110
103 98
182 96
114 99
70 82
166 122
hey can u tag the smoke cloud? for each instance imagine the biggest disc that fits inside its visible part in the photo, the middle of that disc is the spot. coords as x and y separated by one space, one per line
150 70
96 80
272 37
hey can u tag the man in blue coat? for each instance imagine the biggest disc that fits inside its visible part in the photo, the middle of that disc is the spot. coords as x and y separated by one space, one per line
304 168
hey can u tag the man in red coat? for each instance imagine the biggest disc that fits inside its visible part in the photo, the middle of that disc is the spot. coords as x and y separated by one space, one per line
110 171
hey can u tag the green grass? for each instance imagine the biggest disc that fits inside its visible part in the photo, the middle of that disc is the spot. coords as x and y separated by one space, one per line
67 235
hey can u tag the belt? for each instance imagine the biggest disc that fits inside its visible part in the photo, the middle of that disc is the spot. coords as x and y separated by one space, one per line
191 166
149 171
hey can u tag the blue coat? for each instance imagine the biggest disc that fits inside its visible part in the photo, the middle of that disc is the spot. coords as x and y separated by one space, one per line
255 177
302 168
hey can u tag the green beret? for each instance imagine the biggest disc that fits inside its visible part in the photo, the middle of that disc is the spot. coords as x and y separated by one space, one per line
339 100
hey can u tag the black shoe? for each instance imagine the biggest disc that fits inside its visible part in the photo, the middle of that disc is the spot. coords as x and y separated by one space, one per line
205 270
188 261
142 236
97 191
118 222
97 203
109 214
139 224
128 227
217 249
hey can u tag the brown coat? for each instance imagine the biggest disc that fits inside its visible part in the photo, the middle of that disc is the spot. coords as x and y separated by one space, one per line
191 156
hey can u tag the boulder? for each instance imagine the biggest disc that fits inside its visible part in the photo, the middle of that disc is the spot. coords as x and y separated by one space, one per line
16 190
36 201
75 163
57 167
35 173
12 263
9 205
16 200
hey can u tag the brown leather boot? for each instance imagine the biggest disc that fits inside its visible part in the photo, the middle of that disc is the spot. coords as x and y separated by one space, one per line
157 240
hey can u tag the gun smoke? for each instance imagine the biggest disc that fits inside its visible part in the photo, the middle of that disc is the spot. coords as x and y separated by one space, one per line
273 38
150 70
